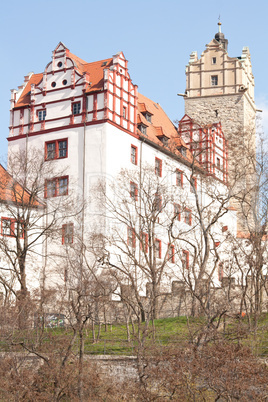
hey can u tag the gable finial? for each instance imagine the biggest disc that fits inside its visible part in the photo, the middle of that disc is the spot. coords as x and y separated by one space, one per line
219 23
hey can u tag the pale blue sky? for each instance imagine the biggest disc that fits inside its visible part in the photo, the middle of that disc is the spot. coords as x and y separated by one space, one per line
156 37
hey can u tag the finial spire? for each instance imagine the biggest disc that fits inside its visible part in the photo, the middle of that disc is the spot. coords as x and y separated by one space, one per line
219 23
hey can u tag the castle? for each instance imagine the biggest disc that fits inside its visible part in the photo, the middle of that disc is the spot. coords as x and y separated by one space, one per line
89 125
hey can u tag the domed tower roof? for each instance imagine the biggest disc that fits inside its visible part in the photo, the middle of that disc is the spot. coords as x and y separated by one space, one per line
220 37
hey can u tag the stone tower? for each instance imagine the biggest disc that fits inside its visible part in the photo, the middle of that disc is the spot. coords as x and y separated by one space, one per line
221 88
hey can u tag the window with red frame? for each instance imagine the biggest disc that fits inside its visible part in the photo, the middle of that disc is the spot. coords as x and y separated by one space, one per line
134 155
188 216
11 227
157 248
193 184
158 167
56 187
185 259
177 211
179 178
144 242
171 253
67 233
131 238
56 149
133 191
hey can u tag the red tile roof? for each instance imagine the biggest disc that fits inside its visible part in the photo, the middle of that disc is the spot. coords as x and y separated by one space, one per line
12 192
160 126
24 99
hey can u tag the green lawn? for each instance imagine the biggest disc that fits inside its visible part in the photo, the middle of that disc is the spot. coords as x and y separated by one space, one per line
113 340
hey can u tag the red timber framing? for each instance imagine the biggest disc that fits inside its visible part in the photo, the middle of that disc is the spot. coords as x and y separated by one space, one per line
208 146
115 101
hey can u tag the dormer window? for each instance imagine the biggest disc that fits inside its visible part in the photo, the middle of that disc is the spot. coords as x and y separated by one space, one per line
142 128
148 117
182 150
163 139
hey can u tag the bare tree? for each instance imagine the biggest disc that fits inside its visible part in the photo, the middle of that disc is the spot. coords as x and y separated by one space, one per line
28 222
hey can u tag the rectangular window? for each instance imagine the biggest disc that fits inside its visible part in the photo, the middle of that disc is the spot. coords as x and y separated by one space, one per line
179 178
157 203
144 242
11 227
218 163
6 227
63 185
56 187
214 60
220 271
171 253
188 217
76 108
50 150
158 167
124 112
214 80
177 211
56 149
133 191
185 259
193 184
62 149
134 155
67 233
157 248
41 114
131 238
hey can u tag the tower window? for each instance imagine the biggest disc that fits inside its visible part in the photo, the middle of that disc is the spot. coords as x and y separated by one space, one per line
214 60
214 80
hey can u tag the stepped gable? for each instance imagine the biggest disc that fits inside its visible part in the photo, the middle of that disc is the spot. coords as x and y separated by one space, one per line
12 192
94 69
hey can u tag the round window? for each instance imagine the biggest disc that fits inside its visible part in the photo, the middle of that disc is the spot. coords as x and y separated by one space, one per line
64 82
53 84
59 64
